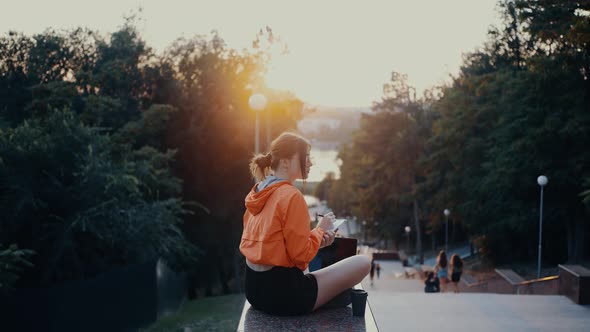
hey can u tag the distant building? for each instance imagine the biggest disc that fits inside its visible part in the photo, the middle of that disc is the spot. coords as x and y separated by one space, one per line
313 125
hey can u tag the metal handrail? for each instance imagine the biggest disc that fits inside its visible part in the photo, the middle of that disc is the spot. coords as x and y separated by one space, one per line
526 282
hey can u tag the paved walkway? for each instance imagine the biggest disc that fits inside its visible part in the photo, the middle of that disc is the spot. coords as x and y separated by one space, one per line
401 305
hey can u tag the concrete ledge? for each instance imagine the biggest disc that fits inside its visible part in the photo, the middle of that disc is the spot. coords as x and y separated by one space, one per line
340 319
468 280
470 284
574 282
387 255
576 270
507 283
510 276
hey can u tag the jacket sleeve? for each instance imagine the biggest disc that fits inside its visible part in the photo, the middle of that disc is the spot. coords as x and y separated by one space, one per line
302 243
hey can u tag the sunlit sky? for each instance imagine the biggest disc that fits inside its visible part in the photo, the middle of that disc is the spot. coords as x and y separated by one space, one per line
340 52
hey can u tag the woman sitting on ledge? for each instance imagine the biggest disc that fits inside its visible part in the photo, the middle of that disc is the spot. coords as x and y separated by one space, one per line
278 243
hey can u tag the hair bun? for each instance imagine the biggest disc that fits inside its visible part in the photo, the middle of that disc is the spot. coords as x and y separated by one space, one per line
268 159
264 161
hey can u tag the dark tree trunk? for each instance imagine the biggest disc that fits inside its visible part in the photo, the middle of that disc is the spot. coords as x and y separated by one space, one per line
570 242
433 234
575 240
419 250
579 240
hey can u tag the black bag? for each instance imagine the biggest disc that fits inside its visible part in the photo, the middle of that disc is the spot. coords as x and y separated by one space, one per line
343 247
432 284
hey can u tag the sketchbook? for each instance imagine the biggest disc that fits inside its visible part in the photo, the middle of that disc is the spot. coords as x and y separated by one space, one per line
337 223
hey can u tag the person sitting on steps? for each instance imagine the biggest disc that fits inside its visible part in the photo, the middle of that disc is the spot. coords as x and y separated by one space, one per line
278 243
431 283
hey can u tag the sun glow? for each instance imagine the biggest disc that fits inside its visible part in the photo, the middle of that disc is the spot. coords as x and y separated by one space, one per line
326 81
340 52
344 59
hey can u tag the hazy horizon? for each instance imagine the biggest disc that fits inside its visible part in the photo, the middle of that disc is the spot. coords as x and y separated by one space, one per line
340 54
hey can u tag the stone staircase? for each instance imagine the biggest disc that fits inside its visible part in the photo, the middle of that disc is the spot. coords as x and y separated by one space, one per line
400 304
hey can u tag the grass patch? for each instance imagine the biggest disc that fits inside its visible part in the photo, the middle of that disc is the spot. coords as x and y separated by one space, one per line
217 313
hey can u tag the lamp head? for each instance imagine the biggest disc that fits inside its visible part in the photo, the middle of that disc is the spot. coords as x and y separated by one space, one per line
257 102
542 180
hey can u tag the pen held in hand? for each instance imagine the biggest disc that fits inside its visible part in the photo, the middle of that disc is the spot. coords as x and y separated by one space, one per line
337 223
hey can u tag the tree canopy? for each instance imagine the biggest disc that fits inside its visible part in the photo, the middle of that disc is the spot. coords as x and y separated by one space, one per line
111 154
517 109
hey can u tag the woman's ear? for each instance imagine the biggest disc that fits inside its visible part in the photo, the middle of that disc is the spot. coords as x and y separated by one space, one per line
284 163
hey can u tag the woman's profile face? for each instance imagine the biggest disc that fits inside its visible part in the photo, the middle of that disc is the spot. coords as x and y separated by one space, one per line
295 171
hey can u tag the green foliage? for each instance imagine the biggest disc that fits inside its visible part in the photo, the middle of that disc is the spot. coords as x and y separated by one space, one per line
35 70
211 127
381 170
81 209
111 154
523 116
586 193
323 189
517 109
12 263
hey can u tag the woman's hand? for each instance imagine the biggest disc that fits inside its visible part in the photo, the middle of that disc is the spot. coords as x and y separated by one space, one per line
328 239
327 222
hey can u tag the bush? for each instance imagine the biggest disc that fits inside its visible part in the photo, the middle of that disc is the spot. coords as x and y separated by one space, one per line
12 261
84 203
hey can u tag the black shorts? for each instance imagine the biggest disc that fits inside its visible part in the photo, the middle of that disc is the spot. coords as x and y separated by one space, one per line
282 291
456 276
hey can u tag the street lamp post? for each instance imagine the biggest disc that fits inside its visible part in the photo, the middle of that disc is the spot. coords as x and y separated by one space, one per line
447 212
257 102
407 229
542 181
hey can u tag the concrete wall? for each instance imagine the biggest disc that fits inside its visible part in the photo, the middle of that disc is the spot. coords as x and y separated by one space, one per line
575 283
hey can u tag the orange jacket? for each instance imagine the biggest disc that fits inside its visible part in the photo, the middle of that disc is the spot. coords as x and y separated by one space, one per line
276 228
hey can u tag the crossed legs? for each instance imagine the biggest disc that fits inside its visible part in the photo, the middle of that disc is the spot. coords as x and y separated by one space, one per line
338 277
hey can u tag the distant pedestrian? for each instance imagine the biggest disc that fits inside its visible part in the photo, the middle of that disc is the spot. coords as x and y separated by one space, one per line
378 267
372 273
456 271
431 283
441 270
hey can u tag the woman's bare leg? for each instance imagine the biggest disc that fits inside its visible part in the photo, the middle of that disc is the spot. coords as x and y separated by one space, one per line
443 285
340 276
